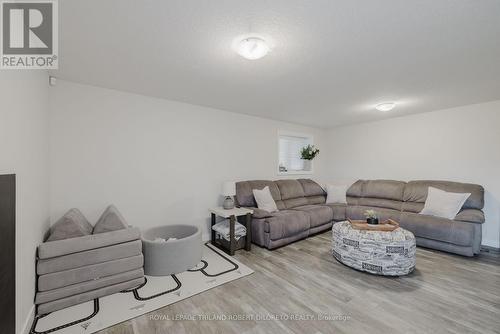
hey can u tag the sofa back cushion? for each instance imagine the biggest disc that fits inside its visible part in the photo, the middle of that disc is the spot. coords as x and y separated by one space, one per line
311 188
292 193
383 189
415 193
286 193
314 193
290 189
377 193
244 192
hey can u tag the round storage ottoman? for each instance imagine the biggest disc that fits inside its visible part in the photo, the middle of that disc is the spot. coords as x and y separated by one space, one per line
377 252
164 257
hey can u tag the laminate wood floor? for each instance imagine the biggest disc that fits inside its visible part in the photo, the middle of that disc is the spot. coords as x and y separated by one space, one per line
445 294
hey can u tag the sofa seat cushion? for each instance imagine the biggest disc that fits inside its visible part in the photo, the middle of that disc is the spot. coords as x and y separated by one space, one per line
471 216
318 214
286 223
436 228
338 211
358 212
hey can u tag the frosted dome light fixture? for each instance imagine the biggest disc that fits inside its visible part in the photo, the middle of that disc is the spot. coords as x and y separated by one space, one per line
253 48
386 106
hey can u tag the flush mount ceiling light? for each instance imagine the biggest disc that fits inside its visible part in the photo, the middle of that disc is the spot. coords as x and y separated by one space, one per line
386 106
253 48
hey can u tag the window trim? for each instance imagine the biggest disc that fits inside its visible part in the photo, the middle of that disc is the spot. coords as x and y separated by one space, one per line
293 134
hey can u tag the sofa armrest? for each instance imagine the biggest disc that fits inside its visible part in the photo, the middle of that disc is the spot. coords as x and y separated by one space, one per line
259 213
74 245
470 216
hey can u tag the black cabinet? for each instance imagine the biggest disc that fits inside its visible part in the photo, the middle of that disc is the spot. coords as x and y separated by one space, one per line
7 253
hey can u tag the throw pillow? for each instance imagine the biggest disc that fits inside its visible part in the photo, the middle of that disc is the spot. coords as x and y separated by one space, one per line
265 200
336 194
443 204
72 225
111 220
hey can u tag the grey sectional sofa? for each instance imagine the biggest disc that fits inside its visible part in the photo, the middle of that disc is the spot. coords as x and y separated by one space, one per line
302 211
76 270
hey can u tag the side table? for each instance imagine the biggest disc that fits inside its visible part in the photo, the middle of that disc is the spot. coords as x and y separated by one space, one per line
232 245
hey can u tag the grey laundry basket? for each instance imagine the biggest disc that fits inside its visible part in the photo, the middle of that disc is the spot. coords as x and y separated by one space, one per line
171 257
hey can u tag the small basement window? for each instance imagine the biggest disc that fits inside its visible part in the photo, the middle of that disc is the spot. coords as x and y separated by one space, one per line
290 161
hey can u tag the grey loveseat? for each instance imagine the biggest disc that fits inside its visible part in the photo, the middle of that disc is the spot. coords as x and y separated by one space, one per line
302 211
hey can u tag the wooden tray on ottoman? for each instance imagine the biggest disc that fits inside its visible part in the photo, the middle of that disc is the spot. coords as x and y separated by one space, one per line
387 226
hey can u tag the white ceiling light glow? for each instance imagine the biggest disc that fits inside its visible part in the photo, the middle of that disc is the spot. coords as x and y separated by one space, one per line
253 48
386 106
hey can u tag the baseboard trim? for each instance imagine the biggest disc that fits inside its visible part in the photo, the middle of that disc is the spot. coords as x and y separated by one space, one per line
490 248
27 323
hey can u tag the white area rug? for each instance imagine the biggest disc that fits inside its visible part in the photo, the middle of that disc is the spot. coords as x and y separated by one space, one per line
215 269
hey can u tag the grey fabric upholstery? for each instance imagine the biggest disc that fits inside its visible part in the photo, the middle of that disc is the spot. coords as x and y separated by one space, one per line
380 203
110 220
173 257
76 270
320 228
259 213
244 191
397 200
276 229
81 259
285 241
311 188
416 191
316 199
72 225
318 214
339 211
259 236
294 202
355 190
440 229
47 296
446 247
387 189
414 207
286 223
59 304
75 245
290 189
471 216
87 273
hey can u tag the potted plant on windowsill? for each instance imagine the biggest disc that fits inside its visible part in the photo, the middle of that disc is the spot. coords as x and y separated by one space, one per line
371 217
307 154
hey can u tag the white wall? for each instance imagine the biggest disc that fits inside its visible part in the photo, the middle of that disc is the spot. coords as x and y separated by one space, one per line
459 144
158 161
24 151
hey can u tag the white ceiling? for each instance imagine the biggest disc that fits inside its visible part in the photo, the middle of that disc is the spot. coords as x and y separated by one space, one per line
331 60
